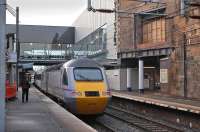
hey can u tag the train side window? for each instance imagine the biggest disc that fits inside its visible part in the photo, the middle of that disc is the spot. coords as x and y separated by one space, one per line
65 78
42 77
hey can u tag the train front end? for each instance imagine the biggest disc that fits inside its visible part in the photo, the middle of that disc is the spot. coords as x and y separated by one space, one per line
91 89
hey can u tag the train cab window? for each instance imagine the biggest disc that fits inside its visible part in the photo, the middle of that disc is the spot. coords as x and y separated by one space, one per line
88 74
65 78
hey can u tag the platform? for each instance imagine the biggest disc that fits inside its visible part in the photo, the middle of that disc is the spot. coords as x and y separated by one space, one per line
40 114
156 98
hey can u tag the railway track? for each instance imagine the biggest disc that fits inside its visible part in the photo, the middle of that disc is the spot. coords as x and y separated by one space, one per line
116 125
103 127
172 117
142 122
120 120
98 125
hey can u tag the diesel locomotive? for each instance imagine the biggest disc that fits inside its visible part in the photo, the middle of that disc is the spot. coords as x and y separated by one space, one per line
80 83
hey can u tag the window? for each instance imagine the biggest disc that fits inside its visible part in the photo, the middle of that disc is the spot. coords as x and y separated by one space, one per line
194 29
194 32
154 30
194 12
65 78
88 74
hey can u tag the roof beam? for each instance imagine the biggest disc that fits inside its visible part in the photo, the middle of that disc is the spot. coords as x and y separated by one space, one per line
150 1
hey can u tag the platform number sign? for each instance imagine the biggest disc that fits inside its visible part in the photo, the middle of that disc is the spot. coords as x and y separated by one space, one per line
163 75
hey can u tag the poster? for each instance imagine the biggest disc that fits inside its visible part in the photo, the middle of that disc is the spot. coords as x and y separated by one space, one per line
163 75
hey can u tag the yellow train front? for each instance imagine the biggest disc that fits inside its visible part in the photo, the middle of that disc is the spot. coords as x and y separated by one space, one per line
81 84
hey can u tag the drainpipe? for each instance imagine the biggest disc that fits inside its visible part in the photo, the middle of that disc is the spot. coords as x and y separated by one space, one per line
134 31
17 47
2 63
129 87
89 8
185 64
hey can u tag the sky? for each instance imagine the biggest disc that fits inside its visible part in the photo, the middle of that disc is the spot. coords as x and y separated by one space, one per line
46 12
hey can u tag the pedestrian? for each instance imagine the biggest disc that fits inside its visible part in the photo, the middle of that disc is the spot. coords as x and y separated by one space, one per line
25 86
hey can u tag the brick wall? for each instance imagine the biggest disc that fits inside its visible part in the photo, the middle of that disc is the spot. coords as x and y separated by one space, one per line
176 25
176 69
125 24
193 70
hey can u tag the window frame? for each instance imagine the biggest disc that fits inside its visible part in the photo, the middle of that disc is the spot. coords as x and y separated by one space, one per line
152 36
65 77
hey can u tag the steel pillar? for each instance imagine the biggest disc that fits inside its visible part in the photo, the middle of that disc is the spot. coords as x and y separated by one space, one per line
129 87
17 47
141 76
2 63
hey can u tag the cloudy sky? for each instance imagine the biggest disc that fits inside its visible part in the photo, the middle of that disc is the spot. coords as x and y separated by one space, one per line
47 12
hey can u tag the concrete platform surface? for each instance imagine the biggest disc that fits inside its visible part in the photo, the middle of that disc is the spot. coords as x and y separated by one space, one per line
156 98
41 114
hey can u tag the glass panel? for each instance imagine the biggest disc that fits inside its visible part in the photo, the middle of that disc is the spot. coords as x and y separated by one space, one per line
88 74
91 44
155 30
145 38
65 78
153 25
163 29
145 29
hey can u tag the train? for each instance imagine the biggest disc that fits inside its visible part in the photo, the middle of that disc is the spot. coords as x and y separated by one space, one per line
80 83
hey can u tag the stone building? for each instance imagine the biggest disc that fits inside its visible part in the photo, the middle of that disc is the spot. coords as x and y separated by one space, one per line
158 45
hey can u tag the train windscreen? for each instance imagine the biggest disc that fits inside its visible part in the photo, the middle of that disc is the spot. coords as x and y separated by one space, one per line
88 74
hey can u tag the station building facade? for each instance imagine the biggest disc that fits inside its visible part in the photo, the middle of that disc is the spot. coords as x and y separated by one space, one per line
158 46
94 31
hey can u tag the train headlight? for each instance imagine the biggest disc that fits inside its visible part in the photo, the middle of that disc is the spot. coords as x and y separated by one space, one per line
106 93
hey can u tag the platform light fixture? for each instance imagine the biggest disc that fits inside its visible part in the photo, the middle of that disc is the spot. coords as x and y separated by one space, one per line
91 42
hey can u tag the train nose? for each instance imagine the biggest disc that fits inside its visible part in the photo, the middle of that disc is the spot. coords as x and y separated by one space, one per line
94 99
91 105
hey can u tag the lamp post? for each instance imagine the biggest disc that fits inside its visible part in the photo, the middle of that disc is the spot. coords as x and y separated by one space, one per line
15 13
17 46
185 64
2 63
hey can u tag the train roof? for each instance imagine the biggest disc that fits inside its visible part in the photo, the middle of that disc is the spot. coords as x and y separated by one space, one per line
83 62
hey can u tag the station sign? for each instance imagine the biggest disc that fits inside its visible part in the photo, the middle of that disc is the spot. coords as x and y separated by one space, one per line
163 75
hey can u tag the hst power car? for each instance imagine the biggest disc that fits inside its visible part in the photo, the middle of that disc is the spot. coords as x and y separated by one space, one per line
80 83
